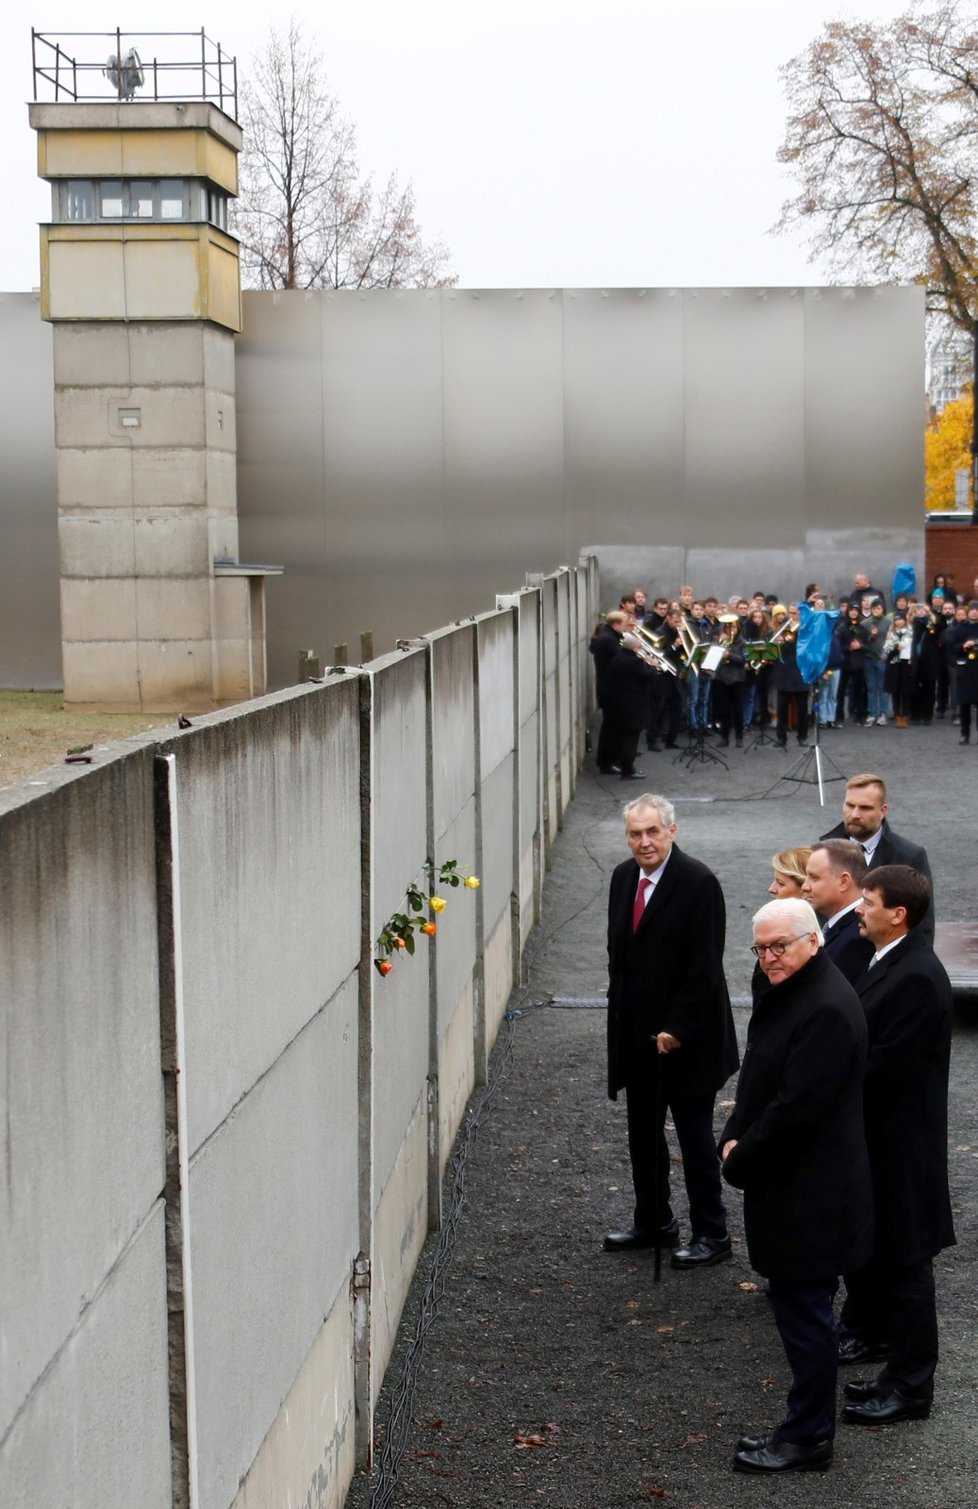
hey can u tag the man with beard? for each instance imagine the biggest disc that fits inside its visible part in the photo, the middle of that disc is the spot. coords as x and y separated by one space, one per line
890 1309
864 810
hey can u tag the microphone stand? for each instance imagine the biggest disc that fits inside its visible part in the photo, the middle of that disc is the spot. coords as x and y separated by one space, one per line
807 769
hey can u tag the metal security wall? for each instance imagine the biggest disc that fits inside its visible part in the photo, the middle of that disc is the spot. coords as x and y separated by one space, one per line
30 624
402 453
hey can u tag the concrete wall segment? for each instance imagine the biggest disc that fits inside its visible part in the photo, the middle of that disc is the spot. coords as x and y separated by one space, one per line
273 1220
269 803
496 689
452 718
80 1049
457 941
307 1457
94 1434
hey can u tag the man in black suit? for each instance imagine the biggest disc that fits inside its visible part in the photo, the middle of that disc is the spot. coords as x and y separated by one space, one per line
796 1146
833 884
671 1039
906 996
864 821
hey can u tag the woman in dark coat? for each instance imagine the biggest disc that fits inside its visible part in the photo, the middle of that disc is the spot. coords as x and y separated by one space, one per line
795 1144
854 638
728 685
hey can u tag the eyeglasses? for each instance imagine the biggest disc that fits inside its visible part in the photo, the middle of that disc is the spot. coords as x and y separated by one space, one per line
776 950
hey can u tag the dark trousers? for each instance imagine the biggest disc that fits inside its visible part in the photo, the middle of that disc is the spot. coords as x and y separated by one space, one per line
728 704
667 712
803 1315
692 1117
801 705
617 744
896 1305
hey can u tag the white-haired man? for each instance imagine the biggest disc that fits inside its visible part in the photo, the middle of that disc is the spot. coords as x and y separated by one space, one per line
671 1038
795 1144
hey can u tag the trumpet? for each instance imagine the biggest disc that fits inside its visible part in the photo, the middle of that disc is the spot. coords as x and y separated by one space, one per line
644 645
787 630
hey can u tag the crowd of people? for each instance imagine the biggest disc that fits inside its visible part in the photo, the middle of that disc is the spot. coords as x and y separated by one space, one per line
910 664
838 1134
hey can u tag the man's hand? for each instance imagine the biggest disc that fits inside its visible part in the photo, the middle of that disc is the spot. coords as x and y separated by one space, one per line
666 1043
728 1148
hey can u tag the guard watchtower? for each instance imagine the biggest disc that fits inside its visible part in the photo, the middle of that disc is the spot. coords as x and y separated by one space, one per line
140 279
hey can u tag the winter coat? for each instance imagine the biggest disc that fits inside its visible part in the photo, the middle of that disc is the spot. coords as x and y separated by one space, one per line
801 1157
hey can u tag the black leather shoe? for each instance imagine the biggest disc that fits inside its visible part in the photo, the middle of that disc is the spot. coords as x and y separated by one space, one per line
635 1240
633 775
784 1456
861 1389
752 1443
703 1252
886 1409
609 770
854 1349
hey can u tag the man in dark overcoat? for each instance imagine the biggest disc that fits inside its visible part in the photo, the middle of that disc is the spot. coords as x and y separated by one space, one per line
906 996
671 1038
834 876
864 821
795 1145
604 646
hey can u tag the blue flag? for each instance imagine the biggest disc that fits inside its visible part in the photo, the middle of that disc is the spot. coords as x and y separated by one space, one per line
814 638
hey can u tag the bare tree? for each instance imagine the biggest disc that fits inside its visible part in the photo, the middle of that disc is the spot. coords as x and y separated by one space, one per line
305 217
882 139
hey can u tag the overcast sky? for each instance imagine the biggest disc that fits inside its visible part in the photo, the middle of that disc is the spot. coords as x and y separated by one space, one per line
550 145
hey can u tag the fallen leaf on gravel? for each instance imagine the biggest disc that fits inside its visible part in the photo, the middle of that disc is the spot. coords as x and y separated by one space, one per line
665 1330
524 1443
657 1493
767 1382
632 1304
747 1286
695 1439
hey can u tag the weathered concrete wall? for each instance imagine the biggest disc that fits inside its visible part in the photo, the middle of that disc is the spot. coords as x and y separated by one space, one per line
83 1381
225 1132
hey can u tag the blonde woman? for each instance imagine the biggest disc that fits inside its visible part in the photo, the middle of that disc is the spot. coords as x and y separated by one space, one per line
789 874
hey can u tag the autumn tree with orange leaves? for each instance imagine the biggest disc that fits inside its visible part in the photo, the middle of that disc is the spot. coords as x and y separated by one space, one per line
947 450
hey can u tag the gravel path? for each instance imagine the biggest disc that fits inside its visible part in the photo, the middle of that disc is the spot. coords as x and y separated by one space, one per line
557 1374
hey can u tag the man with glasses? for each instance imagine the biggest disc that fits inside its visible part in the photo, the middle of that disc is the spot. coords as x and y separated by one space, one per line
671 1038
796 1146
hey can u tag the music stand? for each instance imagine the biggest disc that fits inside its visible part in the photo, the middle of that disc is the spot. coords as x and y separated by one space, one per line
698 752
761 738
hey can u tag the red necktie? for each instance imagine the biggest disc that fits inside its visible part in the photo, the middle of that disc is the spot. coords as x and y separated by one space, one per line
639 908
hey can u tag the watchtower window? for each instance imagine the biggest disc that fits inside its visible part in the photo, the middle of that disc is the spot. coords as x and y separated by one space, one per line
85 201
